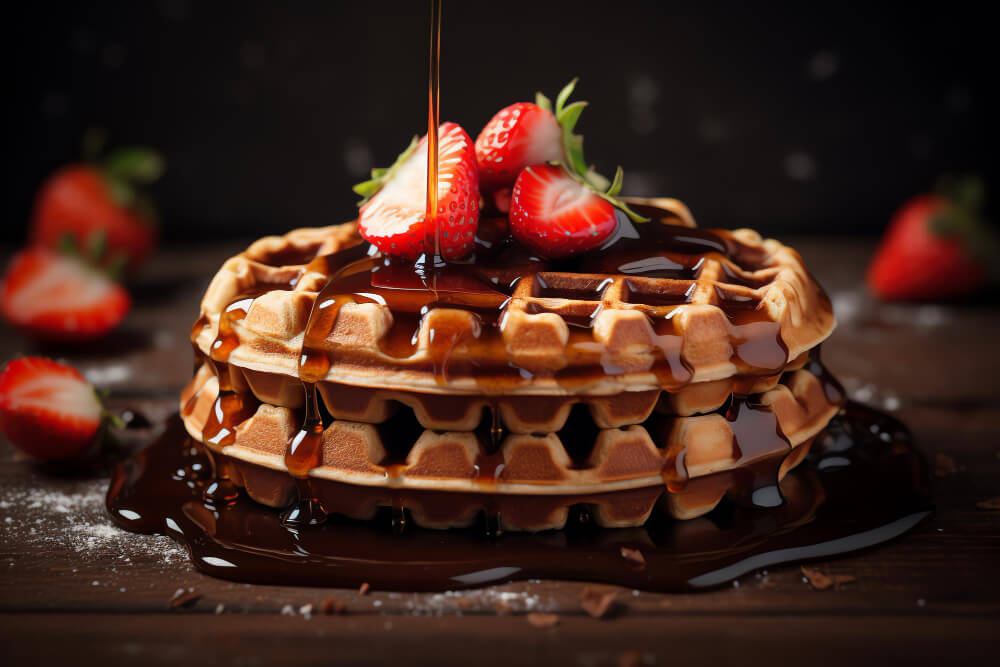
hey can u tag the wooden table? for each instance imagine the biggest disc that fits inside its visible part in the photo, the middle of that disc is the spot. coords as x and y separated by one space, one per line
76 590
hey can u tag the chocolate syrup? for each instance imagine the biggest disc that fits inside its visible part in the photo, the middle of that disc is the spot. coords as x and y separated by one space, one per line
862 484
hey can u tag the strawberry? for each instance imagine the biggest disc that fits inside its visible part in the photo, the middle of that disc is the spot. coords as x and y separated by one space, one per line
53 296
524 134
393 211
47 409
518 136
90 205
557 215
934 248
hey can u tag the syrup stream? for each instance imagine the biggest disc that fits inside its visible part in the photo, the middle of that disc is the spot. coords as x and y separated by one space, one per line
432 241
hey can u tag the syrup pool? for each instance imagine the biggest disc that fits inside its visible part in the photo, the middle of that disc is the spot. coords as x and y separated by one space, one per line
862 484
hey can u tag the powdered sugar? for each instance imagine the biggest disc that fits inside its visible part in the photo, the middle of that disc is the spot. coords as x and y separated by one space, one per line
69 515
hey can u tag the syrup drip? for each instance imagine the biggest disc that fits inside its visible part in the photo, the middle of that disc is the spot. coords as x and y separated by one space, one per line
432 241
862 484
305 452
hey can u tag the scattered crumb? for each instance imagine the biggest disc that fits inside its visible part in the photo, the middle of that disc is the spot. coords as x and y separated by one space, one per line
543 620
635 558
331 606
220 608
989 504
598 603
944 465
364 589
630 659
667 603
822 581
183 597
502 608
306 610
288 610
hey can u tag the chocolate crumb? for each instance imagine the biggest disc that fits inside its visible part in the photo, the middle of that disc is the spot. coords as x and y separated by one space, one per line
822 581
629 659
598 603
635 558
543 620
331 606
364 589
944 465
183 597
989 504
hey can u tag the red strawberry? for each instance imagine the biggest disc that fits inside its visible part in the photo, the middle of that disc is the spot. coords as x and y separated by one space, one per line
393 213
85 203
557 215
518 136
47 409
57 297
934 248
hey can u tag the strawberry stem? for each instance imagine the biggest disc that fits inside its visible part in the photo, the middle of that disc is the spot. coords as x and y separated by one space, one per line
575 164
381 175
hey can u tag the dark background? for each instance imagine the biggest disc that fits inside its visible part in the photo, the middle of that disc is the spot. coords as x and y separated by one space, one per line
788 117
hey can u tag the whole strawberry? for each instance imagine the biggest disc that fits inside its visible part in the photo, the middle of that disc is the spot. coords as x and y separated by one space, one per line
48 410
936 247
393 211
89 204
525 134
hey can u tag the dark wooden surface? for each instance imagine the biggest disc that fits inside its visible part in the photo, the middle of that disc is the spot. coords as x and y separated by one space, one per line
74 590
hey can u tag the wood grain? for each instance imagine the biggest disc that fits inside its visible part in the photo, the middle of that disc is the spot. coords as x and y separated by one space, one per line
930 595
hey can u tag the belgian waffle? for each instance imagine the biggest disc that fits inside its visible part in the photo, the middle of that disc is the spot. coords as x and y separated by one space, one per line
590 460
709 306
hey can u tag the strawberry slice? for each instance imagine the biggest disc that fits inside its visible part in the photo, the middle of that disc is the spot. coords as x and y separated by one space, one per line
557 215
53 296
48 410
936 247
393 213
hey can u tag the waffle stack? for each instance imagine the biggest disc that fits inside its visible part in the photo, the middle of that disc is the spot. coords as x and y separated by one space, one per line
670 369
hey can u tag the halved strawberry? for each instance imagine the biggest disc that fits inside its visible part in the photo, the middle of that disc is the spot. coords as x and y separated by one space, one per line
393 213
53 296
557 215
47 409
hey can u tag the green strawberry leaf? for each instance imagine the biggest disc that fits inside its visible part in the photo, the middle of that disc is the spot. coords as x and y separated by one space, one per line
121 191
97 245
67 245
543 102
135 164
380 176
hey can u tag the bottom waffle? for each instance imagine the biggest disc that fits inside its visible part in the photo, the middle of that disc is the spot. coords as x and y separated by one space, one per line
625 508
581 459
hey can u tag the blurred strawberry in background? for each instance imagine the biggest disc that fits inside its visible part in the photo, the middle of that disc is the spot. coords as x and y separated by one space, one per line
56 296
101 202
937 246
92 223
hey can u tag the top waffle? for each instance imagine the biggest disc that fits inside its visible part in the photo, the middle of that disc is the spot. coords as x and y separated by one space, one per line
662 306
